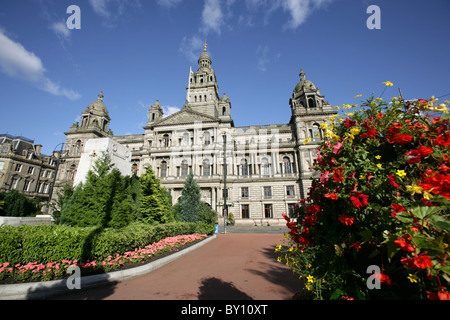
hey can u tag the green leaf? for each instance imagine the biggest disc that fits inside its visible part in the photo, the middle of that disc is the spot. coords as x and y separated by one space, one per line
440 222
422 212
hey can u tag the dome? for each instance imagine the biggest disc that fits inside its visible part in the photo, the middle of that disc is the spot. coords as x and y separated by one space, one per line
98 107
304 85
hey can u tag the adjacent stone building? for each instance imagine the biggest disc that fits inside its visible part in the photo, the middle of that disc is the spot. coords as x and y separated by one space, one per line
268 167
24 168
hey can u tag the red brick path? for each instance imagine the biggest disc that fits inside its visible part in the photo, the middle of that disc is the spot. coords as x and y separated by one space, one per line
231 267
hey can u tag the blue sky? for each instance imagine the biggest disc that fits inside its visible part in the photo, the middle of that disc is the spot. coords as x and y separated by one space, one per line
140 51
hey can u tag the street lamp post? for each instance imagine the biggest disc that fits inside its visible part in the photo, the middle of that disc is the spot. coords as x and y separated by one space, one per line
225 191
57 154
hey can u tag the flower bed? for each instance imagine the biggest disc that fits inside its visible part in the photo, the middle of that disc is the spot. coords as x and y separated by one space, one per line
34 271
381 203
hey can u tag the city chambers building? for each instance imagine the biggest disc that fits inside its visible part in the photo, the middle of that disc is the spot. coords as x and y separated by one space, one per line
268 168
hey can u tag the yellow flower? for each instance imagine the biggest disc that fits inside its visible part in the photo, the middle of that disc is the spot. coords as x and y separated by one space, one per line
413 278
336 107
324 125
279 259
401 173
355 131
447 102
379 165
278 248
310 278
414 189
291 249
347 106
359 95
362 177
307 140
378 157
427 195
388 84
309 266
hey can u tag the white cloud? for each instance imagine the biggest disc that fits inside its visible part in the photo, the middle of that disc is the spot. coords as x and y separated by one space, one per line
191 48
263 57
18 62
169 110
110 10
168 3
212 16
300 10
61 31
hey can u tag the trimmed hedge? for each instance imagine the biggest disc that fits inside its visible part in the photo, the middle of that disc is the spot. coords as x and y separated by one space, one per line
48 243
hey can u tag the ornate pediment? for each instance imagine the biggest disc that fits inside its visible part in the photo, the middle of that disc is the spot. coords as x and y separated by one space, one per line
185 116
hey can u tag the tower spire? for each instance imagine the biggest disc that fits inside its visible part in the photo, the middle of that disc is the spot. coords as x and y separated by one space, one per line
205 46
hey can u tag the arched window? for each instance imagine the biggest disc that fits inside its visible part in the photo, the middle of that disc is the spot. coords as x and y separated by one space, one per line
78 146
184 168
165 141
72 172
163 169
287 165
206 168
224 111
244 167
265 169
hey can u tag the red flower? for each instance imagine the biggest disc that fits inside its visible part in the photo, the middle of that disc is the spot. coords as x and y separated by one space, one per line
413 156
356 245
345 219
337 177
402 139
359 200
337 148
418 262
400 242
396 209
392 181
332 196
441 295
383 278
380 115
349 123
369 134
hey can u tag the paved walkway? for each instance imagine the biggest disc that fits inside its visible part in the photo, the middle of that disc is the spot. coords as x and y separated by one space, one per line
234 266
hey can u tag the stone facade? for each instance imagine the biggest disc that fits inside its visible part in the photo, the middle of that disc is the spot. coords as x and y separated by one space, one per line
24 168
268 167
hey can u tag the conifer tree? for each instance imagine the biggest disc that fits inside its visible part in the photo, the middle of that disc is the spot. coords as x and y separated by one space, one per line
155 202
190 200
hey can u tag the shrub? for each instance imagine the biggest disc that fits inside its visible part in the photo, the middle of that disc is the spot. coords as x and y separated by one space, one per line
49 243
381 200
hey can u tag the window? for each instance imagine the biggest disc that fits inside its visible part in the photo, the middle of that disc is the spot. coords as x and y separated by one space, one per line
184 168
206 168
30 170
185 139
268 211
78 146
291 210
165 141
207 137
290 191
267 192
244 167
245 212
265 169
18 167
4 150
72 172
26 185
287 165
134 168
163 169
2 165
244 192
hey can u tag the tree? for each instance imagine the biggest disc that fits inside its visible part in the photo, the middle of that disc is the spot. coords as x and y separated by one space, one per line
190 200
107 199
16 204
155 203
